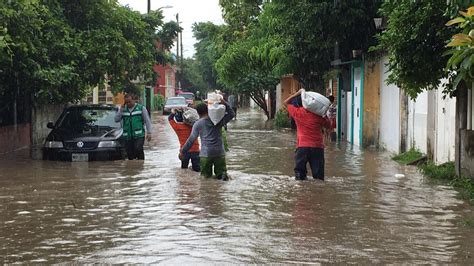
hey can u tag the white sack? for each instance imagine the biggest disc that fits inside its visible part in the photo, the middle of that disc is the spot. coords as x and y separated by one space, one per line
216 112
315 102
190 116
214 98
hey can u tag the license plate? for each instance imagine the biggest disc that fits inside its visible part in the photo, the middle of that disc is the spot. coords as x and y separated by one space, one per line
80 157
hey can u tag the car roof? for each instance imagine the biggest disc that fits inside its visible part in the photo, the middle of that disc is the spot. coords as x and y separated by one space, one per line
92 106
176 98
186 92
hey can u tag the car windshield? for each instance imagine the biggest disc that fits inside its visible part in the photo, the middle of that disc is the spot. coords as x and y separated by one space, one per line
176 101
92 117
188 96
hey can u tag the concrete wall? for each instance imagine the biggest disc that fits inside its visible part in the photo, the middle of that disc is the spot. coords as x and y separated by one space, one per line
14 137
279 100
371 108
464 135
389 113
417 123
40 117
445 123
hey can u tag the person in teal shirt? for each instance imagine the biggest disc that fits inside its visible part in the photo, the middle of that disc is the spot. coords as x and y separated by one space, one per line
134 117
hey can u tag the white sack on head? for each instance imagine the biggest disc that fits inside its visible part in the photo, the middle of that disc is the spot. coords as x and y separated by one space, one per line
214 98
190 116
216 112
315 102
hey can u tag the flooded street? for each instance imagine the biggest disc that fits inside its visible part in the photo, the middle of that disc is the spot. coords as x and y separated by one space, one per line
155 212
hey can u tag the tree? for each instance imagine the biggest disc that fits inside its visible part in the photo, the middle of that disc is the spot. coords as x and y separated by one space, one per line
461 63
312 30
192 80
415 33
54 51
208 50
252 65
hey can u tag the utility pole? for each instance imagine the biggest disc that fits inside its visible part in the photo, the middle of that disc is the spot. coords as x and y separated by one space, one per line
181 38
178 72
149 6
177 40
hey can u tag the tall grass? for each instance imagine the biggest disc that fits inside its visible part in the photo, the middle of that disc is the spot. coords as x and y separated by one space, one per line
409 156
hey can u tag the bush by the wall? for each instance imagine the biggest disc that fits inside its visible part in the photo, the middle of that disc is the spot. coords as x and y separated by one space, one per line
158 102
282 119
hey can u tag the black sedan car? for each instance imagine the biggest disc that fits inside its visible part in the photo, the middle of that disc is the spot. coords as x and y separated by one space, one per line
85 133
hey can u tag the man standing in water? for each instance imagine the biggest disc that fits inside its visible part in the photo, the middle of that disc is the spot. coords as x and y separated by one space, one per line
309 140
212 147
134 116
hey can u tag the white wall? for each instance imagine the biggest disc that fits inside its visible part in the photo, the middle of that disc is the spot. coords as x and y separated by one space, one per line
418 122
348 115
446 125
278 97
389 113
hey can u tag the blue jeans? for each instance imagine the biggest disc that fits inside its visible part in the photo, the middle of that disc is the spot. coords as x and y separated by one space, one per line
194 157
315 157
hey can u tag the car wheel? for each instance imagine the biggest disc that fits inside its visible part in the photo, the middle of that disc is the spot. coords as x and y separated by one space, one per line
123 155
45 155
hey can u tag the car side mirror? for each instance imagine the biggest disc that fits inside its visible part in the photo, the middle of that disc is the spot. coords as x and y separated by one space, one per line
50 125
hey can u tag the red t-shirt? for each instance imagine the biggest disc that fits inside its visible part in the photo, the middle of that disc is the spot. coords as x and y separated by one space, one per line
183 131
309 127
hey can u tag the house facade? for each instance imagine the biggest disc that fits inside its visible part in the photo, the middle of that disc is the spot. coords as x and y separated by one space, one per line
372 113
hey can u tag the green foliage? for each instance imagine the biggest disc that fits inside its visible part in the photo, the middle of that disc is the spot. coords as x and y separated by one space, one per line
191 79
311 30
443 171
415 33
208 51
465 186
254 63
460 64
467 222
407 157
240 13
54 51
158 102
282 119
447 172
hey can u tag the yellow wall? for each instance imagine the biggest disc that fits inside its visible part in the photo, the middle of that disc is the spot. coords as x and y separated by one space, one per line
371 103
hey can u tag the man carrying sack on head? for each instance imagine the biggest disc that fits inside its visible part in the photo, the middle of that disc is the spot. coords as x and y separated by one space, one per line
134 117
209 129
310 140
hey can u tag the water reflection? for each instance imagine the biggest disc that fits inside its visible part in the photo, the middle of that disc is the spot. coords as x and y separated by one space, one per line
155 212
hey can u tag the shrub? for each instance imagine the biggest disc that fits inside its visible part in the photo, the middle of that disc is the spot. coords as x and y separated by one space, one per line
443 171
158 102
282 119
409 156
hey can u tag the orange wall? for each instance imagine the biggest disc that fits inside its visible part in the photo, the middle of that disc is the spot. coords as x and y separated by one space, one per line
289 85
118 99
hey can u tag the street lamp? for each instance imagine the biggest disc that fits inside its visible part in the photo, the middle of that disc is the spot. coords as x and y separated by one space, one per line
163 7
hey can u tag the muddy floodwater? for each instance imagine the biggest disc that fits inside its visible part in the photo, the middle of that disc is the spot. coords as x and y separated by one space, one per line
155 212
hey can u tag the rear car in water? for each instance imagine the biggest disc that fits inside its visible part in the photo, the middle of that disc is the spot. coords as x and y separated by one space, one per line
174 103
189 96
85 133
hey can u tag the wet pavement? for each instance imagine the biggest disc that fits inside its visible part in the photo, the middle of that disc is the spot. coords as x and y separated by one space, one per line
155 212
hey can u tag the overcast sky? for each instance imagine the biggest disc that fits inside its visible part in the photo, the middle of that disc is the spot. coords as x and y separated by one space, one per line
190 11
